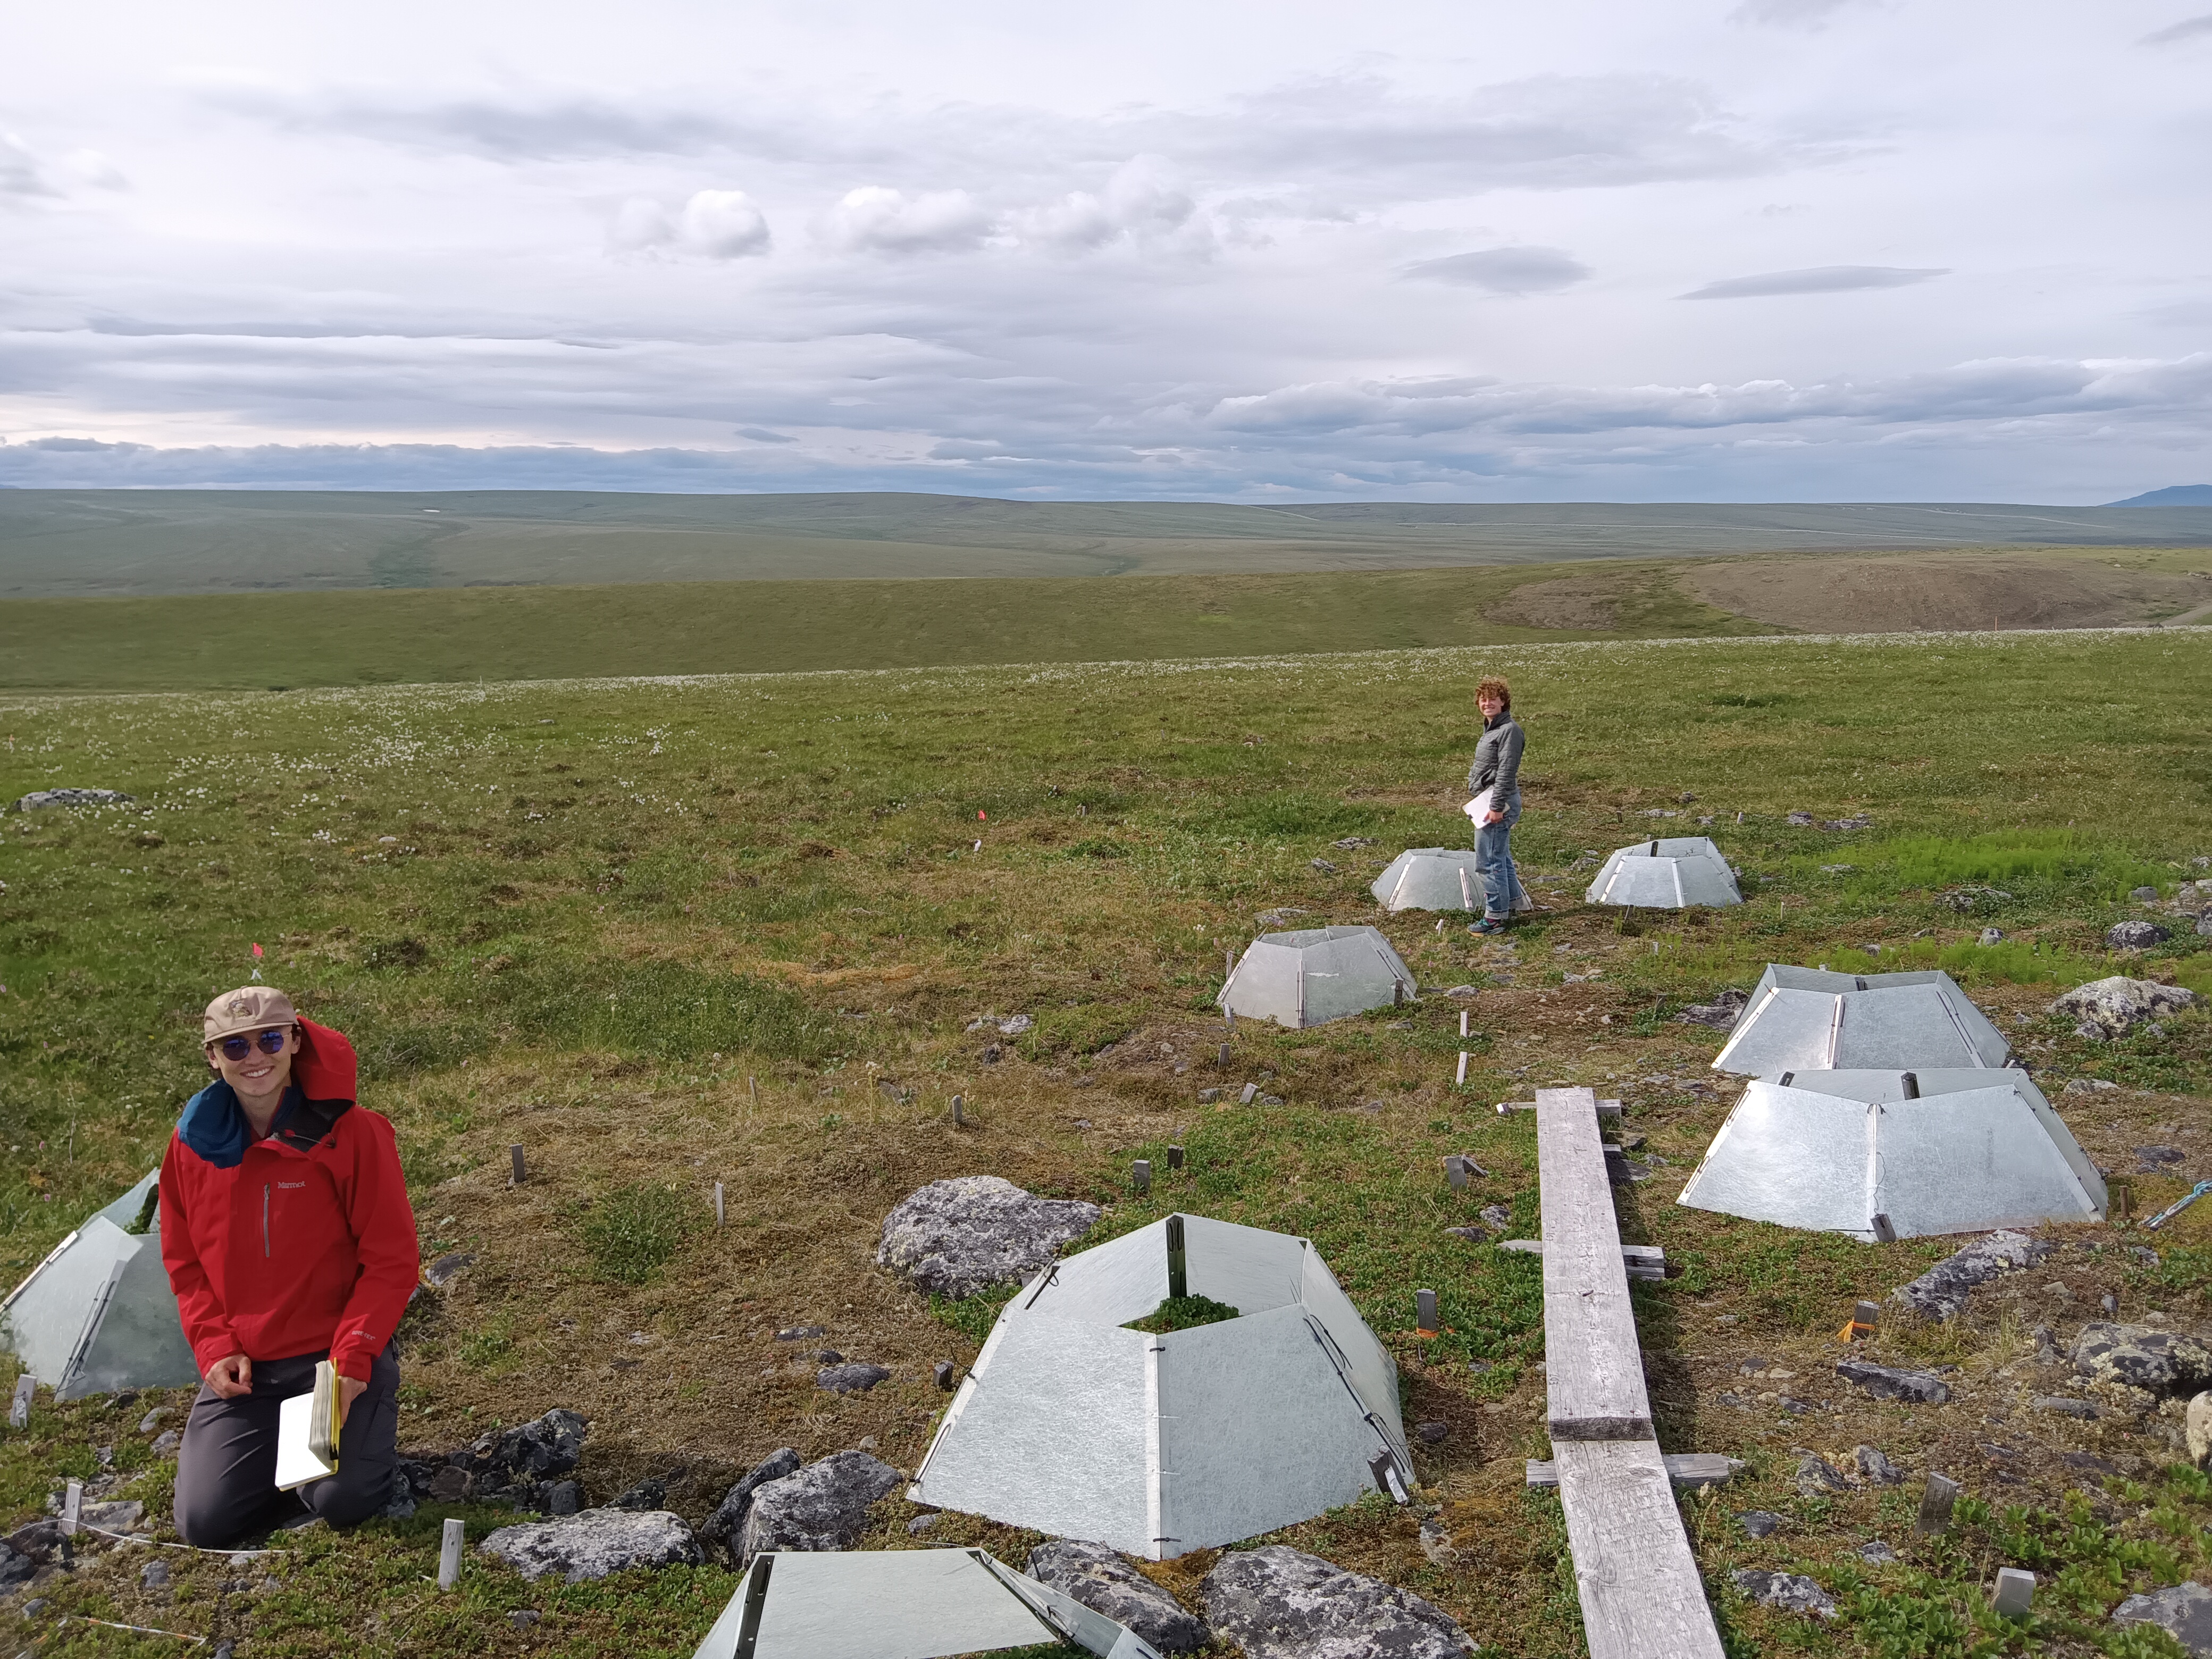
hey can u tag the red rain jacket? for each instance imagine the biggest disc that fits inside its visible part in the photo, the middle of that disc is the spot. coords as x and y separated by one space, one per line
307 1242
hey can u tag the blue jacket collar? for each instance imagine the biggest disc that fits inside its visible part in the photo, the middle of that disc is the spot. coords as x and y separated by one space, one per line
214 1124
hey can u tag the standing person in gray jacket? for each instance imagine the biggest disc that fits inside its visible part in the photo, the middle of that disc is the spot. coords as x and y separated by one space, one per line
1498 769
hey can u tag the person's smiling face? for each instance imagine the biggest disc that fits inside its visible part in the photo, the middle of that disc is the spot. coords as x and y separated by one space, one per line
1492 705
259 1077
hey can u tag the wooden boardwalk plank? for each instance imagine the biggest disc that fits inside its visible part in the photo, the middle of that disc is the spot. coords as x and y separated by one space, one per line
1683 1468
1592 1364
1641 1594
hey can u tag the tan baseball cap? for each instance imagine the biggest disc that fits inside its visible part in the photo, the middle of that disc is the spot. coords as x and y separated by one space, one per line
249 1008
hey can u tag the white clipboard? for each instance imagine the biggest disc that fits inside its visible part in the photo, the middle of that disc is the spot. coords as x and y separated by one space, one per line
297 1465
1479 808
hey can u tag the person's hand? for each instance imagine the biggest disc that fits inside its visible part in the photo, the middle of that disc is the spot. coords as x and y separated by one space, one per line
231 1378
1490 818
348 1391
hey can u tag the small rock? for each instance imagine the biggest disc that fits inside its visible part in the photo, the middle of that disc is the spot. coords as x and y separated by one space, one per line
801 1333
1496 1217
1941 1292
450 1485
1992 936
39 799
594 1543
1208 1097
1462 991
2143 895
1276 1602
953 1238
1433 1434
117 1515
564 1498
523 1618
1720 1014
1351 844
645 1495
823 1506
945 1375
2110 1008
2199 1429
1799 820
850 1379
167 1442
830 1357
1100 1579
2090 1462
727 1521
922 1524
1792 1592
1816 1475
1323 865
1015 1026
1857 821
2088 1086
154 1419
446 1268
2082 1408
1877 1470
155 1575
2163 1362
2133 935
1876 1553
2151 1159
1281 917
1887 1382
1760 1523
2183 1610
1970 898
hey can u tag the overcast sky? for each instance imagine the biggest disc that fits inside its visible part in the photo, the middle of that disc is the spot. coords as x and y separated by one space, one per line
1741 250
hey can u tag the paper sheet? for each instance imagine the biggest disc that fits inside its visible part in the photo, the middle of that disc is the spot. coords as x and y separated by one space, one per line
296 1464
1479 808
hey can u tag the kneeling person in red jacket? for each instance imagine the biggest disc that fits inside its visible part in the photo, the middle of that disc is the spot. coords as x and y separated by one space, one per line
286 1230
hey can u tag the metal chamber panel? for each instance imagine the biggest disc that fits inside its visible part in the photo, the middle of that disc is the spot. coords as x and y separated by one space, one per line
1877 1021
1430 878
44 1320
1963 1160
1667 874
140 1341
1314 975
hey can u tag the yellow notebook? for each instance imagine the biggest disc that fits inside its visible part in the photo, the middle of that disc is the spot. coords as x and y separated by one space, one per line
307 1431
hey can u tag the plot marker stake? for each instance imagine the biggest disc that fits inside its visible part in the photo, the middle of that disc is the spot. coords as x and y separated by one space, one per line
1463 1022
72 1506
958 1102
515 1154
1140 1175
718 1204
1424 1313
1935 1504
449 1553
1461 1079
19 1413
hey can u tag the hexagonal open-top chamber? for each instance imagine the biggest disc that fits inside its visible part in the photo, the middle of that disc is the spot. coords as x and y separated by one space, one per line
1156 1444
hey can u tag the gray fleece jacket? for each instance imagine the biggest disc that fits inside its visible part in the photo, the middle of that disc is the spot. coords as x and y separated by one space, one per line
1498 760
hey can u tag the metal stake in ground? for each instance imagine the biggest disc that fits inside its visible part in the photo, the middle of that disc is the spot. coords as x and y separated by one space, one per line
1935 1504
2015 1590
1178 1272
958 1102
1424 1312
718 1204
1140 1175
449 1553
515 1154
1174 1158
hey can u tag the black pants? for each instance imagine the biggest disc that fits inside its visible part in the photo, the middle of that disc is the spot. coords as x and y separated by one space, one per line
227 1467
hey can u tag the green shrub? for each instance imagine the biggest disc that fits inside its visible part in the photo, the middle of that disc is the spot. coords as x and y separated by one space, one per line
634 1230
1183 1313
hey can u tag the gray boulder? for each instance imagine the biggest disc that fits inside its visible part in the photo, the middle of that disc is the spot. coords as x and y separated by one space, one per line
1941 1292
727 1521
2108 1008
953 1238
2164 1363
40 798
1276 1602
853 1378
1792 1592
1816 1475
1877 1470
594 1543
2182 1611
2133 935
1887 1382
1761 1523
824 1506
537 1450
1099 1578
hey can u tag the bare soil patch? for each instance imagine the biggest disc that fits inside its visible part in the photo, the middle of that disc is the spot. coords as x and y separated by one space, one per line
1938 593
1586 603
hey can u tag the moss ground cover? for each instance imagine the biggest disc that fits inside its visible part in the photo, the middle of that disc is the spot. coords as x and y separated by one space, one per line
667 933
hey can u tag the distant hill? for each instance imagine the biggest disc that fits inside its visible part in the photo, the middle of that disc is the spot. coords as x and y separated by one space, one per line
56 543
2175 496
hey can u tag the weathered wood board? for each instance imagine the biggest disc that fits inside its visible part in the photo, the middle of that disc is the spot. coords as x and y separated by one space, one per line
1641 1593
1591 1357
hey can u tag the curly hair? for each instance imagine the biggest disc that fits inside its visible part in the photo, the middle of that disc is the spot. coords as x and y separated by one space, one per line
1492 682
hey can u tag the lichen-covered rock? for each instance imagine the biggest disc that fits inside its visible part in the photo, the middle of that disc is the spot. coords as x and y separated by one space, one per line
720 1529
823 1506
1276 1602
2183 1610
40 799
1720 1014
953 1238
1875 1469
1887 1382
2108 1008
2197 1427
1792 1592
594 1543
2163 1362
540 1450
1099 1578
850 1378
1941 1292
2133 935
1816 1475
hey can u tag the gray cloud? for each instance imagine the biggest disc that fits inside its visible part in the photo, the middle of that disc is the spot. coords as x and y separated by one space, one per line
2189 28
760 434
1807 14
1815 279
1506 269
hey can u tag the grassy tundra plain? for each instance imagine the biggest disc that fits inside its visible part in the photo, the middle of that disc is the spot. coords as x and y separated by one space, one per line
668 932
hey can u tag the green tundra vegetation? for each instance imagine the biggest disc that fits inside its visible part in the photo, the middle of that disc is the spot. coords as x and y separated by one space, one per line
760 930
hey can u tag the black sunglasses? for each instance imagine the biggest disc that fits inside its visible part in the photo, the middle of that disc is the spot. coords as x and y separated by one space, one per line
271 1041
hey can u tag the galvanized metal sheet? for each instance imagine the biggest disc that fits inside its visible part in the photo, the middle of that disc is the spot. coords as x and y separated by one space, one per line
1314 975
44 1320
1791 1157
1364 1360
1430 878
1257 1431
1843 1022
1249 1268
1972 1161
139 1340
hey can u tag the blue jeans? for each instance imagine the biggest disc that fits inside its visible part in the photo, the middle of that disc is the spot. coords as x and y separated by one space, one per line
1493 862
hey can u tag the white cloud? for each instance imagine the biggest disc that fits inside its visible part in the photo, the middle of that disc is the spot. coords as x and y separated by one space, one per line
877 219
1143 204
1510 270
2189 28
715 224
1815 279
